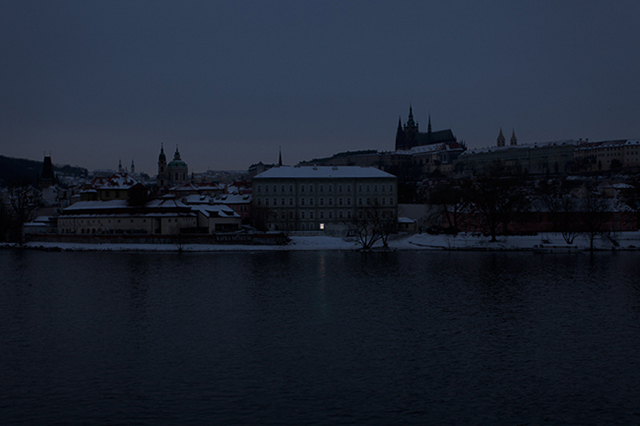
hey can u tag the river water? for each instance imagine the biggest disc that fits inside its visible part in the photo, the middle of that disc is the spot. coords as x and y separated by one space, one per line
319 338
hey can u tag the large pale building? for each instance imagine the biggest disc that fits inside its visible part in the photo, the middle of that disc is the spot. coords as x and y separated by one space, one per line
319 198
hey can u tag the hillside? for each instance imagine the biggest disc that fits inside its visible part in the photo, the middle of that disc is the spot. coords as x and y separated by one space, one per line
16 168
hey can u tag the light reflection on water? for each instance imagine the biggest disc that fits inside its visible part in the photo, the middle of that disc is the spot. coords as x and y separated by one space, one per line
319 338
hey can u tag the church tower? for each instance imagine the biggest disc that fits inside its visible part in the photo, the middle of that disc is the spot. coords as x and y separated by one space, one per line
514 141
162 169
400 140
501 139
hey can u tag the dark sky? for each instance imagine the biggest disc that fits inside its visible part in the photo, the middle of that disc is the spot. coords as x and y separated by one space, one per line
231 81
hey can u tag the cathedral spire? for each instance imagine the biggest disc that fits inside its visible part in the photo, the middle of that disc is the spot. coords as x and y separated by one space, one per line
410 122
514 141
280 158
501 139
429 125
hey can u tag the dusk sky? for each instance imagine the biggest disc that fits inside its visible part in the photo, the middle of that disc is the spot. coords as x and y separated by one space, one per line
230 82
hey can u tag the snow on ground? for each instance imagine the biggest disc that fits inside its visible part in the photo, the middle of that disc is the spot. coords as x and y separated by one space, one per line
624 240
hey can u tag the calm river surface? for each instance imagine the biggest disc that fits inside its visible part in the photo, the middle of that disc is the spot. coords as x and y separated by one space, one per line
322 338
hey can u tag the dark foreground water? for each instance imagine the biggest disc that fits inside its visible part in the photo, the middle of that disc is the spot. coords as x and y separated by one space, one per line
319 338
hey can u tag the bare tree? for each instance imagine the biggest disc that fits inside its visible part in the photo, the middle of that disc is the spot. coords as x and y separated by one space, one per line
631 197
24 200
594 216
561 208
450 203
498 201
371 224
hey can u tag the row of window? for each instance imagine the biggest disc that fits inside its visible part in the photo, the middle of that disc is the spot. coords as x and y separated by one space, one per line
321 202
322 215
321 188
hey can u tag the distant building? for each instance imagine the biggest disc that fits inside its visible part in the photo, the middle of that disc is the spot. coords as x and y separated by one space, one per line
47 177
118 186
537 158
322 197
607 155
174 173
117 216
409 135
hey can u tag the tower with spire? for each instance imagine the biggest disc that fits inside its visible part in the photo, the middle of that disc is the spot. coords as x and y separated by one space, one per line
409 135
513 140
163 176
177 170
500 139
47 177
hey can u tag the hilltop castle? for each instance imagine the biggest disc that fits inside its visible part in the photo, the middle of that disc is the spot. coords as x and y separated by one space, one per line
409 135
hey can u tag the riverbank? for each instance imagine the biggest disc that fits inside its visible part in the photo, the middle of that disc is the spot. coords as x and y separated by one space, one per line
470 242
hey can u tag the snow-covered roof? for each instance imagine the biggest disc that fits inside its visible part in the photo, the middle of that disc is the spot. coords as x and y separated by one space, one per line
216 211
123 204
116 181
426 149
534 145
608 144
233 199
403 219
323 172
92 205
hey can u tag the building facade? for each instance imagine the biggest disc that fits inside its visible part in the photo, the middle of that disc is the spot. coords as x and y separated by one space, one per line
321 198
174 173
607 155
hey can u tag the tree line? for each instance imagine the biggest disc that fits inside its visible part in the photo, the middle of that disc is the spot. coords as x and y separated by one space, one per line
502 205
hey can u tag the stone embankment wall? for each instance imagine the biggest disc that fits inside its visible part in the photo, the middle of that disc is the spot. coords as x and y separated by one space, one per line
250 239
